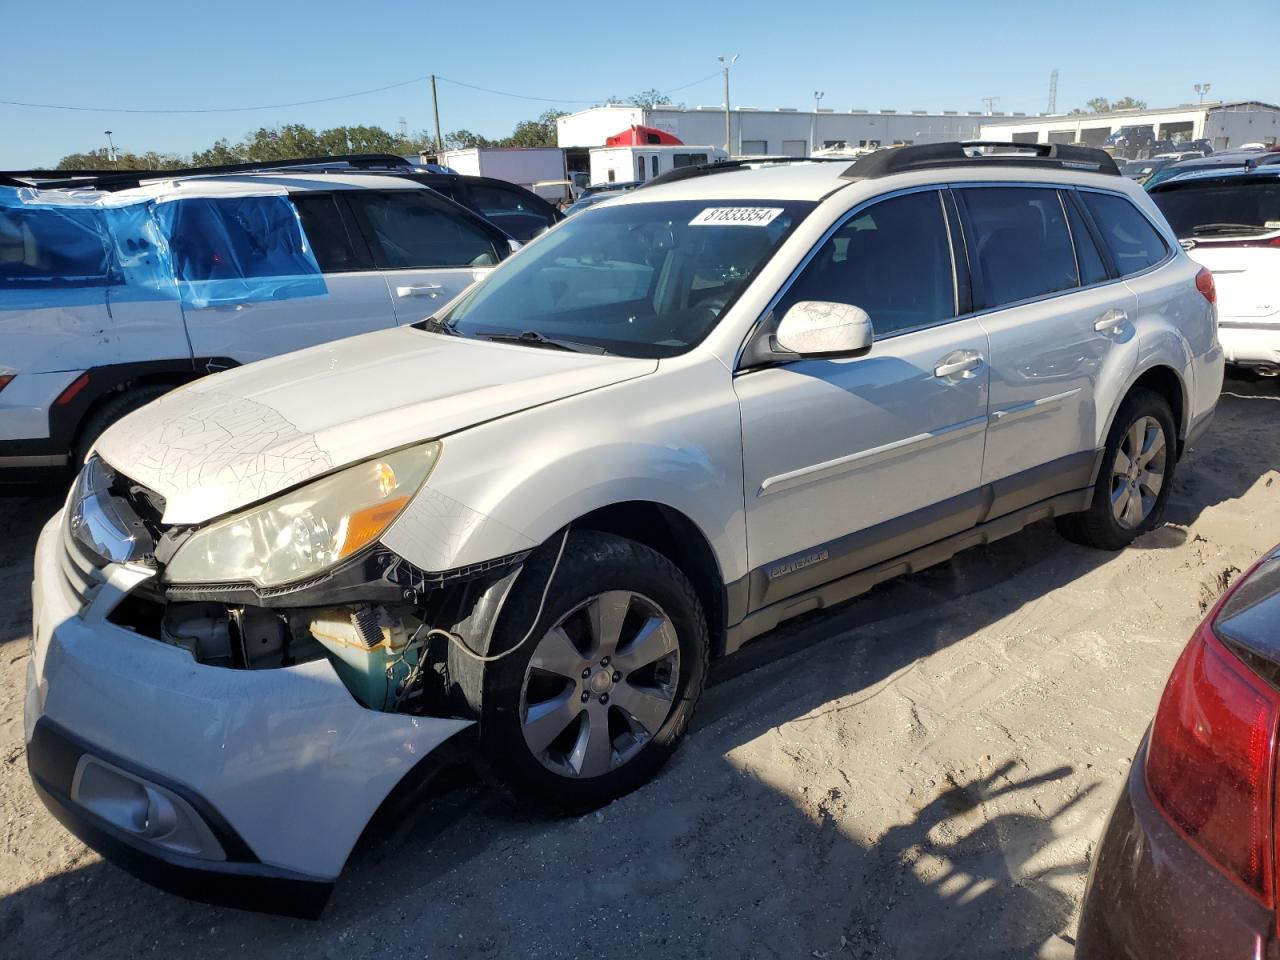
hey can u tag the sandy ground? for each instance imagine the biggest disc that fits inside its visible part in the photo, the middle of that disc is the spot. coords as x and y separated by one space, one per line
921 773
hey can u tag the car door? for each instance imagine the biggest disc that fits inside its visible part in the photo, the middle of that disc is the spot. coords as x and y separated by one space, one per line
1053 339
353 300
849 462
428 249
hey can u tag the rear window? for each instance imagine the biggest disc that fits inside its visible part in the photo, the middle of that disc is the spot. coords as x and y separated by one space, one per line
53 247
1199 209
1132 240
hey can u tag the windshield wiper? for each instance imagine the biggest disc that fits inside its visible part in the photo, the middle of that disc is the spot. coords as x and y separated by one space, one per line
434 325
1228 228
533 338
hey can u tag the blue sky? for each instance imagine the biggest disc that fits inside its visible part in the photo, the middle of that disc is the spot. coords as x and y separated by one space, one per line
919 55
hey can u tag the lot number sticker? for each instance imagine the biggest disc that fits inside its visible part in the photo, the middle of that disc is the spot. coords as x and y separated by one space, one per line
735 217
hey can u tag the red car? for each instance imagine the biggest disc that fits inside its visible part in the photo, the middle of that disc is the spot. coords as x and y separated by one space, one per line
1187 863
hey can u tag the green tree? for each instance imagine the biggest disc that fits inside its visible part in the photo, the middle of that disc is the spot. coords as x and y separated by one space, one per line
465 140
1129 103
1099 105
100 160
534 133
218 155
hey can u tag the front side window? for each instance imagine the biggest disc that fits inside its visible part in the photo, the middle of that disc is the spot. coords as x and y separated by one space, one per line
409 229
892 259
635 279
1133 241
1019 243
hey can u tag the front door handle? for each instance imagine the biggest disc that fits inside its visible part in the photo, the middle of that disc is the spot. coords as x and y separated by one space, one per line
960 365
1111 322
420 290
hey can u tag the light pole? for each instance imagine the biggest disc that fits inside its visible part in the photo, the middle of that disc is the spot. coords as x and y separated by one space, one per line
813 124
1202 89
111 151
727 64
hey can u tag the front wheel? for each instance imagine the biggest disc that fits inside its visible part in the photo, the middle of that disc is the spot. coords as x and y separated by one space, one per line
597 698
1136 477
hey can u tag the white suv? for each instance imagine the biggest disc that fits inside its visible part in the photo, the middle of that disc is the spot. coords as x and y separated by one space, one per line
660 429
109 298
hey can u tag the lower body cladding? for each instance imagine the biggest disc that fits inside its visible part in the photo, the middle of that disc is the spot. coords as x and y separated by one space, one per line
240 786
1253 344
1150 896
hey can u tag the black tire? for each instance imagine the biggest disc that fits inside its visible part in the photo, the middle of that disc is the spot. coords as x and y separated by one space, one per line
119 406
592 564
1098 526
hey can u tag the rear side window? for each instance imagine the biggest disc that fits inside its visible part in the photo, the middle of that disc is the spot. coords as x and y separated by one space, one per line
235 238
53 247
1132 240
325 230
1020 244
491 200
409 229
1092 269
892 259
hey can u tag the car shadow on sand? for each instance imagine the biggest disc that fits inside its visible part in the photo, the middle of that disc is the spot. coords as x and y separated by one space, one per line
713 858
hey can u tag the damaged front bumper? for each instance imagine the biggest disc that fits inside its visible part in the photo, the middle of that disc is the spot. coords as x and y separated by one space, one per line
247 787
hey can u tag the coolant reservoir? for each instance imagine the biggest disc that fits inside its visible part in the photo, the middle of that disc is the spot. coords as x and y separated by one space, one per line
369 650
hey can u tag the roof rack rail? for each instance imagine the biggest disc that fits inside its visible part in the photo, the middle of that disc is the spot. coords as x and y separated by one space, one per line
725 166
124 179
929 156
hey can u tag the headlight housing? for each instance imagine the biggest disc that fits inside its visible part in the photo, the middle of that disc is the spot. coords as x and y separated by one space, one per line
308 530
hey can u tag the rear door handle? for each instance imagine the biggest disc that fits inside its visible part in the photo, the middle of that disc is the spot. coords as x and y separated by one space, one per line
1111 322
420 290
964 364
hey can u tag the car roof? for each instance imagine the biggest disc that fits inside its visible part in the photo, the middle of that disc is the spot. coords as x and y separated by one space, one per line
242 184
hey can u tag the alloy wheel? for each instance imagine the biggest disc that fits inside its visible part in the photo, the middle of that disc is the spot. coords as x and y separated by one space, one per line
600 684
1137 476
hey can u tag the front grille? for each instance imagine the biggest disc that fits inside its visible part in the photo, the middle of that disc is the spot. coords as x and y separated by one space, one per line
82 569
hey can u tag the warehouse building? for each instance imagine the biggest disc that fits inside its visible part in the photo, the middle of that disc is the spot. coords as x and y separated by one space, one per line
781 132
1225 125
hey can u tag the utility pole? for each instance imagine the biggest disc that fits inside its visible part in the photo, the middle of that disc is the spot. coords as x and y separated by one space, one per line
1053 91
111 151
435 106
728 148
813 124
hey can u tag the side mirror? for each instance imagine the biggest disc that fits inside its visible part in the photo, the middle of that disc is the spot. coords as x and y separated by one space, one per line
514 245
822 328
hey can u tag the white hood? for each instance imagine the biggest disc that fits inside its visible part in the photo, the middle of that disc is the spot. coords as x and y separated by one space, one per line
233 439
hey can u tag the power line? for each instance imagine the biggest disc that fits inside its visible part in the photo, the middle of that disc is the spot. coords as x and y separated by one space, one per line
341 96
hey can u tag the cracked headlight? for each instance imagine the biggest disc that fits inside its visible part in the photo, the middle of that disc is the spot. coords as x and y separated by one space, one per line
308 530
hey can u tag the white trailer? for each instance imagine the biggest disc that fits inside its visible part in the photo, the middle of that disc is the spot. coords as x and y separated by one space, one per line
522 165
624 164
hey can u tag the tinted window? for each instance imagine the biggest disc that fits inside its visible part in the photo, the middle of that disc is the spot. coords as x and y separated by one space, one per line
636 279
42 247
327 233
1020 244
490 200
411 229
1132 240
1092 269
893 260
1221 207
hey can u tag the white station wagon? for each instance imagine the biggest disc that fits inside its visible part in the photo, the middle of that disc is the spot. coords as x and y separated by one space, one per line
669 424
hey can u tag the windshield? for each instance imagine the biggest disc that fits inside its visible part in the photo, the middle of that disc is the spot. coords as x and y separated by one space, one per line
636 279
1203 209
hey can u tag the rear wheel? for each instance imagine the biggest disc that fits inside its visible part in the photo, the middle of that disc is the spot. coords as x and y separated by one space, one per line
599 696
1136 477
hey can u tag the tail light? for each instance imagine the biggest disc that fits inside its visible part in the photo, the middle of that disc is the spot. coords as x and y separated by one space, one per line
1211 760
1204 283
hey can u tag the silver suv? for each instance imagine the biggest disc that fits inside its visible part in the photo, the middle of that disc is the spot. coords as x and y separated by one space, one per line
672 422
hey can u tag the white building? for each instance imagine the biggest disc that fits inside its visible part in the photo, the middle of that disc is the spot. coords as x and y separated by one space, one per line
782 132
1224 124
